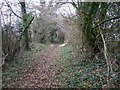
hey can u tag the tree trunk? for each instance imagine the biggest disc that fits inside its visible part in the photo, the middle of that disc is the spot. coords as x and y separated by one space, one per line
24 17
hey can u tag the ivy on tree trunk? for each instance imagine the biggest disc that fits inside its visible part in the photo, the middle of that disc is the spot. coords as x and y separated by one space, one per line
24 19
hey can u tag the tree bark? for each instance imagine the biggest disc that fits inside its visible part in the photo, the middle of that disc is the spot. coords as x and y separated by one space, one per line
24 18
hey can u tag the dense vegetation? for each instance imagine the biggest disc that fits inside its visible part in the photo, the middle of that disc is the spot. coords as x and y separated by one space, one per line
89 55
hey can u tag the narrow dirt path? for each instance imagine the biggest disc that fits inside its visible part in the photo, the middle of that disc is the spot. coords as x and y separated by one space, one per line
42 74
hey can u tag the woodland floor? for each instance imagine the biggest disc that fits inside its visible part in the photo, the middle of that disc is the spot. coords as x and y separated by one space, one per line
41 74
54 67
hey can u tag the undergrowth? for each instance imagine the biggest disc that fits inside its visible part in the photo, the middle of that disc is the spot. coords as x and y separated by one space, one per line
76 73
23 60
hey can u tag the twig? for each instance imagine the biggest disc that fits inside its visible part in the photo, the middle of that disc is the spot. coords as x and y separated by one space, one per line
3 59
105 21
105 55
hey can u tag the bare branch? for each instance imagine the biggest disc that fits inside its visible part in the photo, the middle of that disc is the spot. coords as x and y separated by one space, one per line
106 21
105 55
12 10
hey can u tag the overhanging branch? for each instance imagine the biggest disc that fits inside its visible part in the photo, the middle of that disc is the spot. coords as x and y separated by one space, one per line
106 21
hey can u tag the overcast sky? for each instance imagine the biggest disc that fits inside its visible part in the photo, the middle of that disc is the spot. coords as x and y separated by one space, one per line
66 9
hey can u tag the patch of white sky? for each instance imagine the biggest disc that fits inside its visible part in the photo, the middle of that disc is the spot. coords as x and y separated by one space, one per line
6 10
66 9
